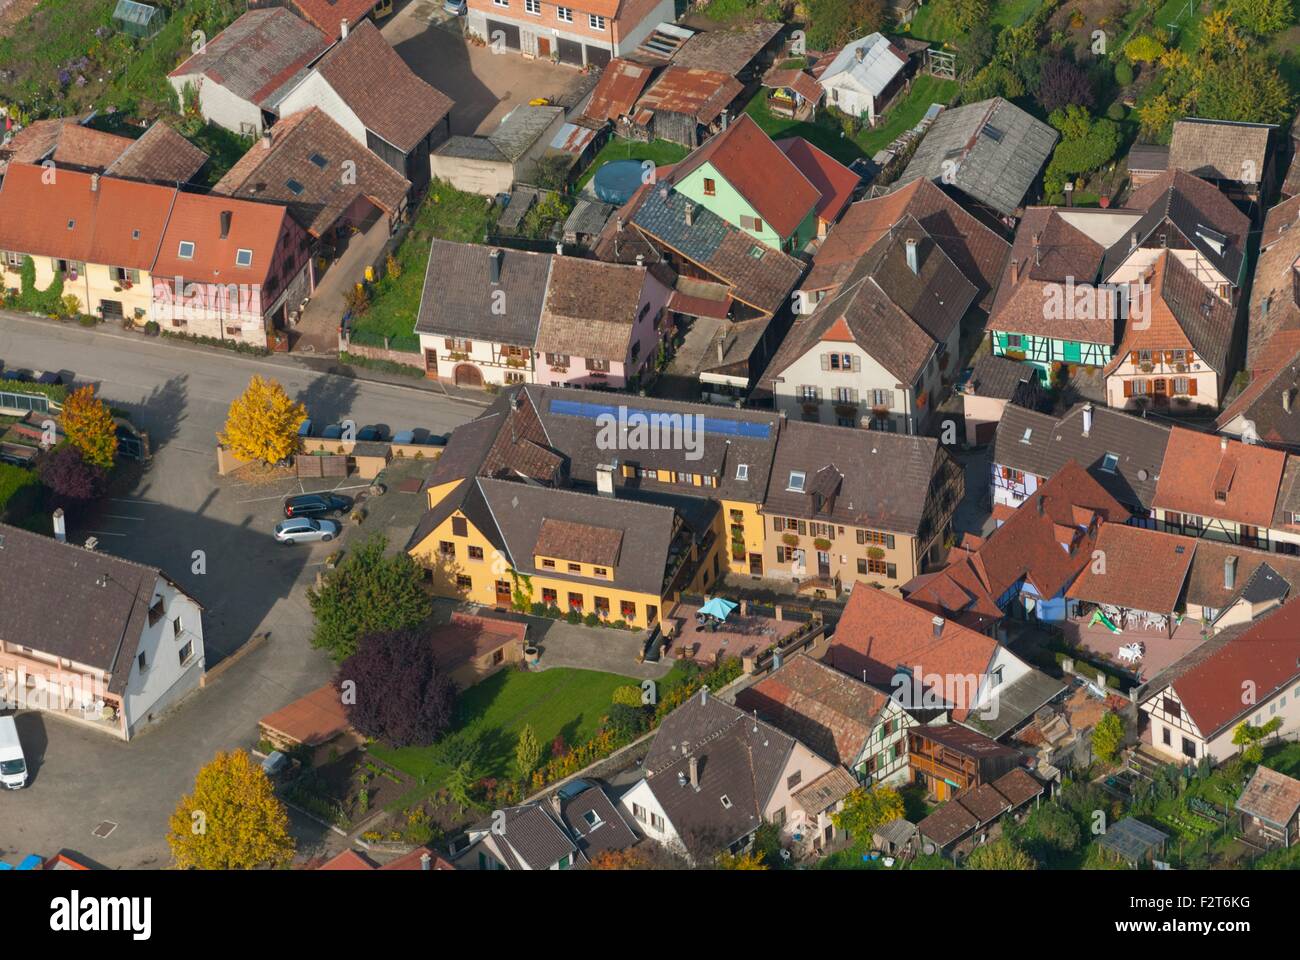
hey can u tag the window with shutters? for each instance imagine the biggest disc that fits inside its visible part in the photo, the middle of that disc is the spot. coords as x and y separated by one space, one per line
882 398
710 187
844 395
810 394
1180 385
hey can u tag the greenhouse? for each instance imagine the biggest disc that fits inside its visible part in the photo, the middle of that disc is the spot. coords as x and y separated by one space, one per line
138 19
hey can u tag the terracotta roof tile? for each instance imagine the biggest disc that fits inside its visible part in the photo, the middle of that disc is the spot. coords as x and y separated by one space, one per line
1140 569
834 181
1248 478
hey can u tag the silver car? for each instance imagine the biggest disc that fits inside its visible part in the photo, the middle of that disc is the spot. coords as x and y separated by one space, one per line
306 530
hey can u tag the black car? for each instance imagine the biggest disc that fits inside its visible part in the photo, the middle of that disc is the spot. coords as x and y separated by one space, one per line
316 505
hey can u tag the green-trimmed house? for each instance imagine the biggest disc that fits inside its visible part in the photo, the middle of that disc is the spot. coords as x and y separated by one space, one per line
742 176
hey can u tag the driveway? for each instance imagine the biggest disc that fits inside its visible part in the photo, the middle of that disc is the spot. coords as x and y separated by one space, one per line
485 85
318 330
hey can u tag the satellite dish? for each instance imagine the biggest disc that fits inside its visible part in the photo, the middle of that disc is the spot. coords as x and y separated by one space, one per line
928 848
1142 474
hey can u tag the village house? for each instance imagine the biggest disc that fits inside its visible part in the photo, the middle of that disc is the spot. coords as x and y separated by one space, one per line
1275 290
1193 709
1123 453
589 33
526 837
995 382
989 153
1229 584
863 76
954 826
66 142
493 163
841 718
240 76
794 93
470 648
714 774
1234 156
845 510
159 155
331 17
98 640
835 182
1270 808
949 761
1266 410
367 89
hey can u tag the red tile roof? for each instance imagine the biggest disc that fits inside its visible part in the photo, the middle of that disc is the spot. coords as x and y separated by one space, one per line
120 223
1199 467
467 637
1137 568
86 147
197 219
314 719
327 15
759 171
834 181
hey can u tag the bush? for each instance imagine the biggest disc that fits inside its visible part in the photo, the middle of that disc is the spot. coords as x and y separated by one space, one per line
152 328
1123 73
70 477
20 492
1116 111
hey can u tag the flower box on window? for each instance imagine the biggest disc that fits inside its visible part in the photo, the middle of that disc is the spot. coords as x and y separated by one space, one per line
790 539
876 553
846 409
821 543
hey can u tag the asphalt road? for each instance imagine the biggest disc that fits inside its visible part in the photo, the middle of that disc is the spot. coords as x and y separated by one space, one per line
180 394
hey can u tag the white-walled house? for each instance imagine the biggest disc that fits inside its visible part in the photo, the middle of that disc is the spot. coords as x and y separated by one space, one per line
94 638
864 75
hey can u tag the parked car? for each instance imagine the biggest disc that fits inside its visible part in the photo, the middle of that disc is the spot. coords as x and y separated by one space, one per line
13 765
316 505
455 7
305 429
306 530
370 433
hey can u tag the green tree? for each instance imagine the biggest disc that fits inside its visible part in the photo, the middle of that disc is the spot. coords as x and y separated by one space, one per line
369 592
866 809
1001 854
1108 737
965 14
528 752
1262 17
1048 830
1245 89
1143 49
1250 738
833 23
459 784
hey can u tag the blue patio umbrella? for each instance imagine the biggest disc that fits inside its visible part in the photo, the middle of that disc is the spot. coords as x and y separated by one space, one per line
718 608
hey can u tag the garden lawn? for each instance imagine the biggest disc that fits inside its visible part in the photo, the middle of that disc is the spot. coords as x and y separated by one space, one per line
931 23
907 113
660 152
447 214
557 702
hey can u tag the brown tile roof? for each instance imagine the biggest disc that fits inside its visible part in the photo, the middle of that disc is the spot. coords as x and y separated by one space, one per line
591 309
617 90
756 168
324 194
1198 466
730 49
327 15
829 711
467 637
879 633
197 219
1220 149
161 155
381 89
824 792
459 299
119 224
86 147
258 56
834 181
36 141
1205 579
101 601
1271 796
311 720
580 542
1265 659
1275 290
948 824
800 81
1140 569
976 250
1018 786
1276 377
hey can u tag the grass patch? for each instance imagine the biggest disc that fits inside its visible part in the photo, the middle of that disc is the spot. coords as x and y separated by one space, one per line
445 214
931 22
20 493
659 152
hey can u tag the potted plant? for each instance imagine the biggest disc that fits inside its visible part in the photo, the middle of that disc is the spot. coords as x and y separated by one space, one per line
790 539
876 553
821 543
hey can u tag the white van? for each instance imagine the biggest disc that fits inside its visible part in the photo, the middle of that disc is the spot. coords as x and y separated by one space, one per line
13 766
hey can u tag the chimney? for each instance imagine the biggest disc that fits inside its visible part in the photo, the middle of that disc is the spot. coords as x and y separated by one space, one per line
726 117
94 183
266 139
704 694
559 249
60 526
605 479
690 214
695 773
937 623
1133 240
911 255
640 259
426 861
343 29
225 224
555 802
1087 419
1015 271
1286 400
776 659
722 346
1229 573
494 265
1037 256
1223 444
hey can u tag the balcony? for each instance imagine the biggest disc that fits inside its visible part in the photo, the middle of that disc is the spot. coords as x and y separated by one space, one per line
685 556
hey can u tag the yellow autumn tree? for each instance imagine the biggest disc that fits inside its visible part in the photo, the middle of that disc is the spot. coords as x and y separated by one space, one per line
741 861
89 427
263 423
232 820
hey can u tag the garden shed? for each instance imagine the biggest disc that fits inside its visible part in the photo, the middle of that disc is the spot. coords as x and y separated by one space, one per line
138 19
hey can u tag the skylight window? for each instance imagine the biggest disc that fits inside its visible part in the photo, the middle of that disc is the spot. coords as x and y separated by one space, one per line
1029 432
186 250
742 471
294 186
320 161
135 234
592 818
756 252
993 133
243 258
726 801
71 224
1109 463
797 478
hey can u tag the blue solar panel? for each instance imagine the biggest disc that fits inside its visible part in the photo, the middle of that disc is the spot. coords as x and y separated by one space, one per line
634 415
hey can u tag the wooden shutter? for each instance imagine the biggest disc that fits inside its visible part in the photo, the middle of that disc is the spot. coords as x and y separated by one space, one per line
857 365
826 361
1133 357
1128 388
1191 386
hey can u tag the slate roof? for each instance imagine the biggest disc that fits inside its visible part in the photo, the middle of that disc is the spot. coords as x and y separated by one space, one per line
830 712
588 217
886 477
1041 444
1271 796
1000 378
82 605
259 57
756 168
378 86
738 758
998 150
976 250
530 838
1190 205
459 299
758 275
898 317
880 63
303 169
617 90
591 309
521 128
1144 569
1274 292
1199 466
161 155
1220 149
